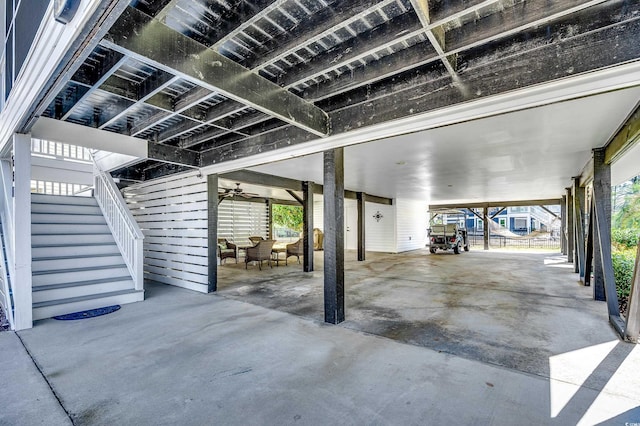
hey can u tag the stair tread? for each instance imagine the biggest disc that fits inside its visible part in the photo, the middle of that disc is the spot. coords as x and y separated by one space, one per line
72 245
89 268
81 283
79 256
83 298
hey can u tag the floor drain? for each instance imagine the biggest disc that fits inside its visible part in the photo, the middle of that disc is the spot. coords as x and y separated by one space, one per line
88 314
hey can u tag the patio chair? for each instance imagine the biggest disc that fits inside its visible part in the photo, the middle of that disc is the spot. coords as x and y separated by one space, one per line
226 249
255 240
296 249
259 252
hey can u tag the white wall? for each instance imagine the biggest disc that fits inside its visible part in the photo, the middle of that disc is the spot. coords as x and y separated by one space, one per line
411 224
379 236
172 214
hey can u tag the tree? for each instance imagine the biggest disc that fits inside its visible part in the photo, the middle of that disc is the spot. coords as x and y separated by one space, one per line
287 216
627 210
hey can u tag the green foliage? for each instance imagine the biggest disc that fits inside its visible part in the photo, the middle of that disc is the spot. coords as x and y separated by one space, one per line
627 214
623 263
287 216
625 238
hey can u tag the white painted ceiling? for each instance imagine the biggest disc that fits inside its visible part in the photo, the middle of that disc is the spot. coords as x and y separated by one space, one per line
523 155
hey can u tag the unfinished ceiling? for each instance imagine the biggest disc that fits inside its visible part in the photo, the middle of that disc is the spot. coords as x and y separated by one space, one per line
213 81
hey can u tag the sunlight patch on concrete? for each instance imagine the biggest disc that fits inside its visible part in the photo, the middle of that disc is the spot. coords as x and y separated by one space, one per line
573 368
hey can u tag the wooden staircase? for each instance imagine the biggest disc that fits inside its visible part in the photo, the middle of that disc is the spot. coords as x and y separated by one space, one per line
76 264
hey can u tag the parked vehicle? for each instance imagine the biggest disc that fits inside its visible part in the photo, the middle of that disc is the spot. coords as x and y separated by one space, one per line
448 236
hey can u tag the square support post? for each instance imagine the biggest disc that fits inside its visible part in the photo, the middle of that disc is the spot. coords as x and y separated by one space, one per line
578 213
22 285
212 232
307 226
632 327
485 228
563 218
569 226
602 199
334 236
270 216
588 257
361 198
601 196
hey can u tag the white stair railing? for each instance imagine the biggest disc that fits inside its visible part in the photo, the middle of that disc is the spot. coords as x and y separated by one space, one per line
123 226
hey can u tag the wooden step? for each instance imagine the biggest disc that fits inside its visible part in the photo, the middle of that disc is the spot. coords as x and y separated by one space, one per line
82 303
69 228
62 250
62 199
61 239
58 263
54 218
45 293
79 274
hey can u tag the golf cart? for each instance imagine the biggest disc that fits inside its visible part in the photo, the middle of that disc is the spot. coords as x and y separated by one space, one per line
448 236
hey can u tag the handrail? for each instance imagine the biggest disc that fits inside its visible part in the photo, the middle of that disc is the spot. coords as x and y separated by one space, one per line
124 227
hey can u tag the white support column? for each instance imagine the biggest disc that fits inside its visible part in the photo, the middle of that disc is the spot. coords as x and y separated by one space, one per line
22 231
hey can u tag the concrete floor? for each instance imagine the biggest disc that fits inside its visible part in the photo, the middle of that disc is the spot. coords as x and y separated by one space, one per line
513 309
186 358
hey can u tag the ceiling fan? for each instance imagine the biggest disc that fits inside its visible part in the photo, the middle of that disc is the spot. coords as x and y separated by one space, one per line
237 192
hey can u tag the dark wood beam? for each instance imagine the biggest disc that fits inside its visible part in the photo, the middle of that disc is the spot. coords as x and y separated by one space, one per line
571 242
264 179
625 138
295 196
511 20
361 197
321 24
334 236
212 232
350 49
146 90
485 228
110 64
151 42
590 237
601 181
500 210
413 58
578 208
85 42
515 203
307 226
632 326
550 212
602 199
171 154
225 19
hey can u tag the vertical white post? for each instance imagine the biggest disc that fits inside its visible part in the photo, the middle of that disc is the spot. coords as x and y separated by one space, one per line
22 231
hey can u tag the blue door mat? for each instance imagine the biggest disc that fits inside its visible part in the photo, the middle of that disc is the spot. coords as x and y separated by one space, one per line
88 314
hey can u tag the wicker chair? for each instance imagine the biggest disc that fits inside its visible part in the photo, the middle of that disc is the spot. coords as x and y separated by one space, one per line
226 250
255 240
259 252
295 249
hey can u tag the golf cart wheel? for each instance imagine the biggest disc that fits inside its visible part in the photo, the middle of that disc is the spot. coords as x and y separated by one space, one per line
432 250
456 249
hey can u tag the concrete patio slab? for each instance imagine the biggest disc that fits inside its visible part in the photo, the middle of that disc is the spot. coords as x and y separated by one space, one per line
186 358
25 396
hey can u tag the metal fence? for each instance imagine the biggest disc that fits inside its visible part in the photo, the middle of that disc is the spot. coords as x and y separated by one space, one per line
498 241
